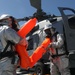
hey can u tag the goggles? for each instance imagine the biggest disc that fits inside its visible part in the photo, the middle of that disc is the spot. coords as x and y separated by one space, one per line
5 22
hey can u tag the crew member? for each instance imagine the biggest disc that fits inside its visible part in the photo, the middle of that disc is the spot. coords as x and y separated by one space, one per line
8 39
59 62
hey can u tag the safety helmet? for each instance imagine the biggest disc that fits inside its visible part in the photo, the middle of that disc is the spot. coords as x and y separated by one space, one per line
48 26
4 16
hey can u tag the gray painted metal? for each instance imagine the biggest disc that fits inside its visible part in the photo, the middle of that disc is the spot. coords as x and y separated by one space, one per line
69 32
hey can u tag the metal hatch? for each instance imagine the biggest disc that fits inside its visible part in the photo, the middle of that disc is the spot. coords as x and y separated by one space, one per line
69 27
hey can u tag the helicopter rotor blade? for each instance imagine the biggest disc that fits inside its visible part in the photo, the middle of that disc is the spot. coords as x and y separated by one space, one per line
36 4
23 19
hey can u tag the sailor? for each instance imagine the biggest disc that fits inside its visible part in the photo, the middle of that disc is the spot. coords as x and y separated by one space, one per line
59 64
8 39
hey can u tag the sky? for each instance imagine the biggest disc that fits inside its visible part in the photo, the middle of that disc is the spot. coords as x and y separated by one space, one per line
22 8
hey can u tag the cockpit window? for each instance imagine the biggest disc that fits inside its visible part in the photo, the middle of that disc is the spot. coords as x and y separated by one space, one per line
71 22
30 44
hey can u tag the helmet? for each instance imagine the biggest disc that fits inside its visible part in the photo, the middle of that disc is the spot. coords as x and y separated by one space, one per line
14 21
4 16
48 26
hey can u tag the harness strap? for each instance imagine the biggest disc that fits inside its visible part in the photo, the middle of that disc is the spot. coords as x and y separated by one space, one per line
8 44
56 41
53 56
10 53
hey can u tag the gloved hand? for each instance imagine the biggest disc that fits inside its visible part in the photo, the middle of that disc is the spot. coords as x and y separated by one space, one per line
50 45
24 42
